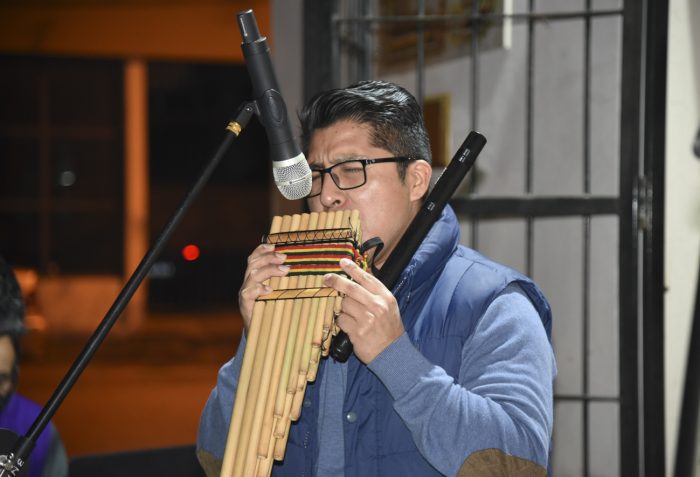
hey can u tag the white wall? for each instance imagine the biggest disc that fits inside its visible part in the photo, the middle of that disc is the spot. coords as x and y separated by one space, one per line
682 202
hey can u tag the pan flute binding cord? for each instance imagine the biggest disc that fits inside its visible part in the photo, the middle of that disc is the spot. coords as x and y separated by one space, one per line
291 329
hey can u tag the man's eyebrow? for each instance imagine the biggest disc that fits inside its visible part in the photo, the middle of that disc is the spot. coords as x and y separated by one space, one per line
337 160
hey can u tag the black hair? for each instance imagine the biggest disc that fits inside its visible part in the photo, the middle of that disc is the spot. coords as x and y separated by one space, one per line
11 312
393 114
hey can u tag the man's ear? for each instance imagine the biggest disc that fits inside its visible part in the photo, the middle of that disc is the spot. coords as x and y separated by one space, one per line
418 177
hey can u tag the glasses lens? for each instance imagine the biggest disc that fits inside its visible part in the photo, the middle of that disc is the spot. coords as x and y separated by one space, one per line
316 183
346 175
349 174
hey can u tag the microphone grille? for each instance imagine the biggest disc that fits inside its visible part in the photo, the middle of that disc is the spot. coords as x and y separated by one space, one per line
292 177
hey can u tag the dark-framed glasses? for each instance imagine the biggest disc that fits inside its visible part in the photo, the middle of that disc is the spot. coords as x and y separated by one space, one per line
348 174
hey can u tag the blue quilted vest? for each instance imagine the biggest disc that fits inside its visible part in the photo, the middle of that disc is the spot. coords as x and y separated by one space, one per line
439 315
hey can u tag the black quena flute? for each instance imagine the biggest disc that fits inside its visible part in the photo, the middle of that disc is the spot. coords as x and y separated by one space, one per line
444 188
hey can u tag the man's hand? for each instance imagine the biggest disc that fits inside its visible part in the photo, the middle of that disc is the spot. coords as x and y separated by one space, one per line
369 312
263 264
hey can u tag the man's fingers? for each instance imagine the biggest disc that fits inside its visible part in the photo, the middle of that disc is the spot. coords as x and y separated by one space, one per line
354 308
255 290
260 251
347 324
260 261
272 270
342 284
365 279
362 285
368 314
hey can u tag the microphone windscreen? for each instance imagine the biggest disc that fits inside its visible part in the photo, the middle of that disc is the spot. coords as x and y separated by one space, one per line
292 177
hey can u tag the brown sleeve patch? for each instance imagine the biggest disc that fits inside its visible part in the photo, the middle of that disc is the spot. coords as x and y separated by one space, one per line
496 463
210 464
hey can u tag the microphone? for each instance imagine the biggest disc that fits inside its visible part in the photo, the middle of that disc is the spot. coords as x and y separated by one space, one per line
290 170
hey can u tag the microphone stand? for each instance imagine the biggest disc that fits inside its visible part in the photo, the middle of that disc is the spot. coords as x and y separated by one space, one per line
12 461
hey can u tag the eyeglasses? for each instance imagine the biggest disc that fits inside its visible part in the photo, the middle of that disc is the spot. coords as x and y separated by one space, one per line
349 174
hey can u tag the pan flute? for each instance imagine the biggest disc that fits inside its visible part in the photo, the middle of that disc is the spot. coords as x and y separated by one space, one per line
290 331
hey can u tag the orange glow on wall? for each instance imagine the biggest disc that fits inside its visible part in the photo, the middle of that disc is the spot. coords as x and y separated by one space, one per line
184 30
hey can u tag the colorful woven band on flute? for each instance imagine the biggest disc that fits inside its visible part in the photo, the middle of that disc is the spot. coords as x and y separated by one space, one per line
318 258
315 259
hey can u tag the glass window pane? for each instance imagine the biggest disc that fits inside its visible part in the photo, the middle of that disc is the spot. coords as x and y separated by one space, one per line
84 93
603 354
567 439
504 241
558 270
605 97
503 117
603 439
552 6
558 108
61 160
19 167
190 106
19 240
86 242
606 4
87 169
20 91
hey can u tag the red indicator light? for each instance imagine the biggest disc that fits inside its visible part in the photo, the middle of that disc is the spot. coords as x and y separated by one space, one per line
190 252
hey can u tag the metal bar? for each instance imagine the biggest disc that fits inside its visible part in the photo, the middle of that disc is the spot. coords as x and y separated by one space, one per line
585 337
628 246
475 65
420 58
586 398
474 45
536 206
352 47
653 242
529 143
366 43
586 258
335 50
587 103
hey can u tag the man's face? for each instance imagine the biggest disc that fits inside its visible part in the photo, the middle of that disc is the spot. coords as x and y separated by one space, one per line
386 204
7 361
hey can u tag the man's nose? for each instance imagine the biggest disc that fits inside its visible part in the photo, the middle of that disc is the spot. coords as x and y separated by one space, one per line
331 195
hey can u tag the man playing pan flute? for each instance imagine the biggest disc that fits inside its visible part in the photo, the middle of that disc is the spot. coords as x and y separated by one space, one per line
453 368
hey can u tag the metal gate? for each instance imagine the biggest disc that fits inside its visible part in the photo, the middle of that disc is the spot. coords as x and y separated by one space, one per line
571 95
